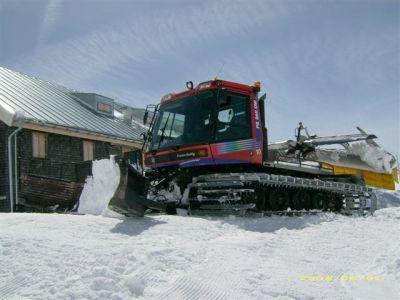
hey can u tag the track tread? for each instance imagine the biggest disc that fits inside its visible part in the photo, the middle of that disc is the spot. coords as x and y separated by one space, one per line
357 199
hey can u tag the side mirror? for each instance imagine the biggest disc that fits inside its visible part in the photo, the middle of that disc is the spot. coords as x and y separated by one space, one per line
145 117
143 136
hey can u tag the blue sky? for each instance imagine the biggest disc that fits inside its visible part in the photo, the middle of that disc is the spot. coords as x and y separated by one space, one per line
334 65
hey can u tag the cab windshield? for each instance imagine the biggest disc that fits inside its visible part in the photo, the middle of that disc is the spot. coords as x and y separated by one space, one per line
204 118
184 122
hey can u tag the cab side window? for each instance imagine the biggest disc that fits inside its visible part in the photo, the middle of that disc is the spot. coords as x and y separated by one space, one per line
233 121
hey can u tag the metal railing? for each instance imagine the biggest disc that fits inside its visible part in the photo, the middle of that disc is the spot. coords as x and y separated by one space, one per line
300 163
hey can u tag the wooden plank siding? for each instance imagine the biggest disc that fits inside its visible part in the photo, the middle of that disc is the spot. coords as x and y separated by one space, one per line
60 175
49 192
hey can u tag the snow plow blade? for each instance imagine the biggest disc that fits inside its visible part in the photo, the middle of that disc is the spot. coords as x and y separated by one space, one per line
130 197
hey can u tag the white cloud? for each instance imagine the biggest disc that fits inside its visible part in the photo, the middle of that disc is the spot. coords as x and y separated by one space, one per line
311 75
141 39
52 12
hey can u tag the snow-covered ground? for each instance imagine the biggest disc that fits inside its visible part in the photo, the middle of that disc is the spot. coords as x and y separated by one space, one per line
50 256
107 256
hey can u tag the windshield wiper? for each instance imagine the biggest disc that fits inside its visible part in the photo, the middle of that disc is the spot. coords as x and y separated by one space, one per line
163 132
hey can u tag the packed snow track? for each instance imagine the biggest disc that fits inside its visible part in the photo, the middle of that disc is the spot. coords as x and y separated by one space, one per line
326 256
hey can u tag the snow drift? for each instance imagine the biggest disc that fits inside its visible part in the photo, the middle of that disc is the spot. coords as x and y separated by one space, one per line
99 188
375 157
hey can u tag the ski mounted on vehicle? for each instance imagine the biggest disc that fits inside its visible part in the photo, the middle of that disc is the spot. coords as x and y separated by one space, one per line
206 151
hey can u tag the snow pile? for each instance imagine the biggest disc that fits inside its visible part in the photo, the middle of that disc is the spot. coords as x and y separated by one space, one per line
334 155
387 198
99 188
375 157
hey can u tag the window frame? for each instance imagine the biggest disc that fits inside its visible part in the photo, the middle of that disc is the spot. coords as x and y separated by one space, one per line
248 112
40 146
86 150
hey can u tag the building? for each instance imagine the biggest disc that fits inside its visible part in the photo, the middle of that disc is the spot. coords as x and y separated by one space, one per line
49 135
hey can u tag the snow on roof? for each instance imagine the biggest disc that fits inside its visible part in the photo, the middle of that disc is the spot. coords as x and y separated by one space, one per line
7 114
48 104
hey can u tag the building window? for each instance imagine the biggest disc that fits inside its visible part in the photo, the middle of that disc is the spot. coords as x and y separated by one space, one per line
88 150
39 145
104 107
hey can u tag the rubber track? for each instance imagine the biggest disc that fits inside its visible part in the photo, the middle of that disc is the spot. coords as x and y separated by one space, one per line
358 199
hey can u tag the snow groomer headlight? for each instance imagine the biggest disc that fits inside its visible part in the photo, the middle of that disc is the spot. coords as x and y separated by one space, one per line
204 85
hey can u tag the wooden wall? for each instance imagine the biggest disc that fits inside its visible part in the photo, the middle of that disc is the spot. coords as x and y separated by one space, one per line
4 132
64 162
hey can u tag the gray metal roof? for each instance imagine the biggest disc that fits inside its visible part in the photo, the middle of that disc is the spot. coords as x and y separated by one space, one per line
49 104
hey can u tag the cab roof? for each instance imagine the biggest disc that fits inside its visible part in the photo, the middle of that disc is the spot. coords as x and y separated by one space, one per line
211 85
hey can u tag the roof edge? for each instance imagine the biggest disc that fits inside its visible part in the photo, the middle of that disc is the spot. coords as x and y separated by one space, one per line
75 132
7 114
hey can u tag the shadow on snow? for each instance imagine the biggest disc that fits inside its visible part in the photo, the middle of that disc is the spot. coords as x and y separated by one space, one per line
135 226
275 223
